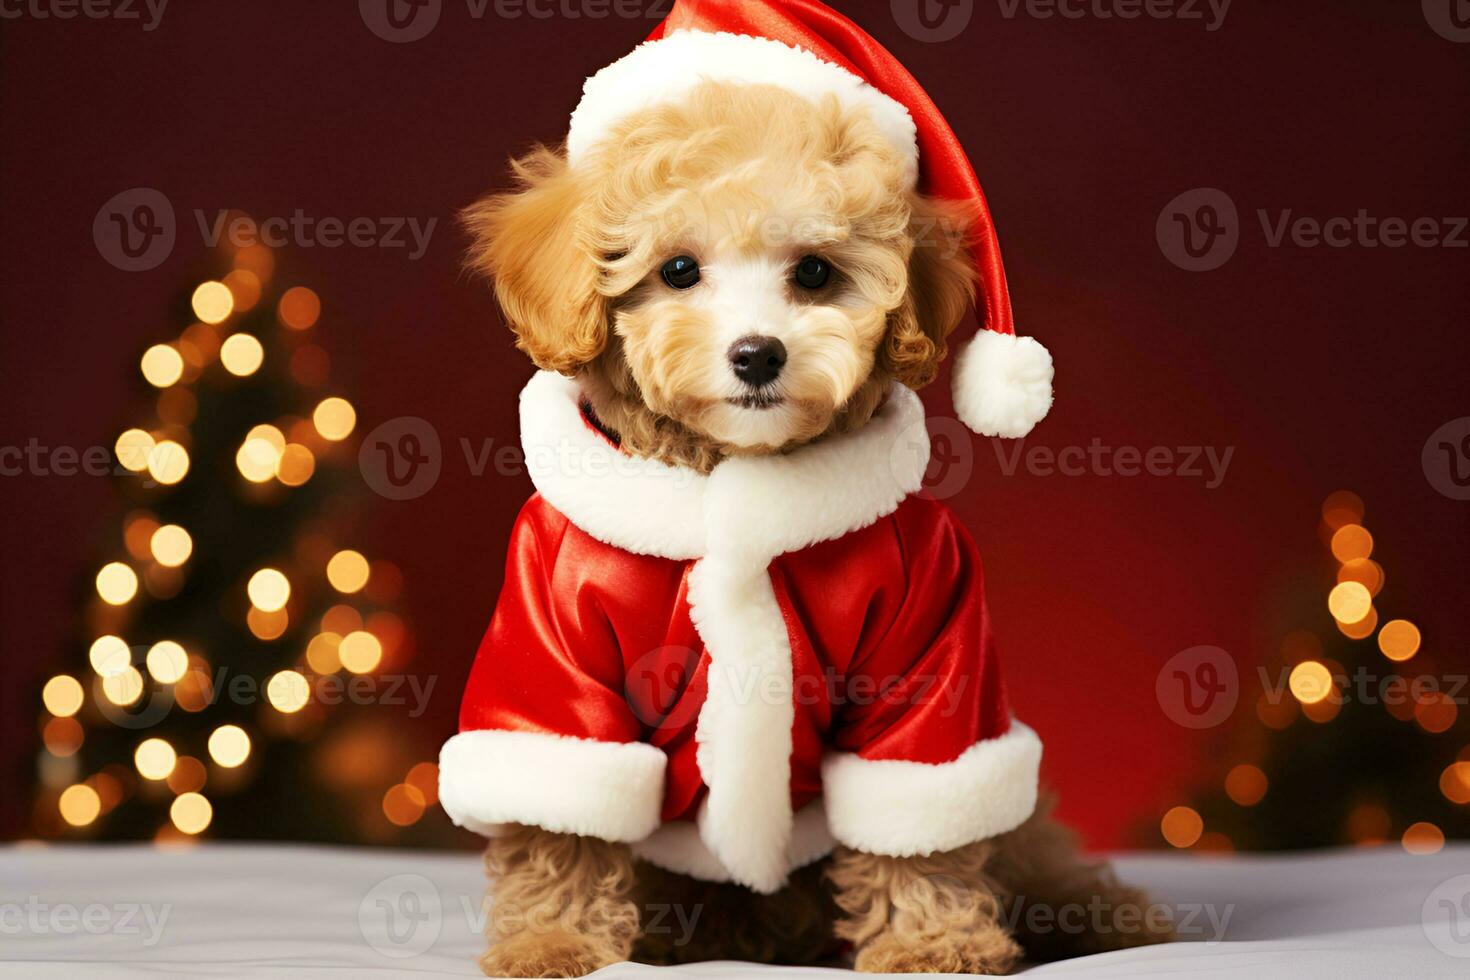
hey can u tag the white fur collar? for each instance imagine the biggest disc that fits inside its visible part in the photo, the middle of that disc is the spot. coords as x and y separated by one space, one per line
792 500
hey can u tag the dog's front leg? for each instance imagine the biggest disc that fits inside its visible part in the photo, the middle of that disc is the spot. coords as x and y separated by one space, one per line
934 914
559 905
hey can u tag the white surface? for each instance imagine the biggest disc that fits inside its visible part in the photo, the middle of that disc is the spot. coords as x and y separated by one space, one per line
273 911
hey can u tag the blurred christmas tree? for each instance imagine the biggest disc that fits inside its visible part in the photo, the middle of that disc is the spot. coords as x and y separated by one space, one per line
1357 733
240 673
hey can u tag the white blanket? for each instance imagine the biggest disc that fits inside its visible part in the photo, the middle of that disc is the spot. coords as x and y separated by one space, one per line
233 910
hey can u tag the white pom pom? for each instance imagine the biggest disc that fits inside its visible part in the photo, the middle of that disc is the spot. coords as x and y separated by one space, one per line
1002 384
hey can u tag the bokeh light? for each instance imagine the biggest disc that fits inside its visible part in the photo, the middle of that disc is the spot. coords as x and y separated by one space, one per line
299 308
1310 681
168 462
1454 782
191 813
62 696
124 687
1246 784
241 354
162 365
167 661
117 583
347 571
213 302
1349 602
79 805
109 655
1351 542
287 691
334 418
154 758
229 746
403 804
1423 838
295 465
360 651
132 449
269 590
1182 826
171 545
1399 639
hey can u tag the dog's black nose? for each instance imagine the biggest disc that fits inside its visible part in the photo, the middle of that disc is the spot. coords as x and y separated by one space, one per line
757 360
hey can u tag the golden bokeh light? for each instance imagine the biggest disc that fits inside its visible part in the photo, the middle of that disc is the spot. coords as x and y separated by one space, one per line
124 687
1423 838
269 590
295 465
162 365
1246 784
424 777
171 545
188 776
229 746
213 302
167 661
154 758
341 619
267 625
321 653
1349 602
299 308
168 462
132 449
1436 713
191 813
1399 639
1182 826
62 737
1351 542
1454 782
109 655
241 354
403 804
287 691
62 696
347 571
1342 507
117 583
1310 681
1322 711
270 434
79 805
244 287
334 418
1363 628
1364 570
256 459
360 651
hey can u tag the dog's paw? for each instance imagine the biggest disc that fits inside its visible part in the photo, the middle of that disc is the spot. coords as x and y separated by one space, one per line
991 952
547 954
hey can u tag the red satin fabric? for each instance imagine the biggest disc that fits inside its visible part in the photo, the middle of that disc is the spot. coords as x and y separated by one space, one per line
891 650
944 167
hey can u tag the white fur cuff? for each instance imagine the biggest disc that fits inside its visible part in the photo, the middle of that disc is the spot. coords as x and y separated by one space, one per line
1002 384
908 808
609 790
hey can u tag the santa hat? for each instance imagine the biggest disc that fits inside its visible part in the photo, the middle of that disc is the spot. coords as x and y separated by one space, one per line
1002 382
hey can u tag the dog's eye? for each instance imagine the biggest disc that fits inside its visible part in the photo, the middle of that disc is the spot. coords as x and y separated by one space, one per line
681 272
812 272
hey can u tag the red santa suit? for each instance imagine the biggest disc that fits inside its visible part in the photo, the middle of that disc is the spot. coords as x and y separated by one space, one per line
734 672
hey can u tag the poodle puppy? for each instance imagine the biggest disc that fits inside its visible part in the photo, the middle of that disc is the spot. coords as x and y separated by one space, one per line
740 274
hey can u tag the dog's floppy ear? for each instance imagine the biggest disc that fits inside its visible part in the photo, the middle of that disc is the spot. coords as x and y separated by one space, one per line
941 288
546 277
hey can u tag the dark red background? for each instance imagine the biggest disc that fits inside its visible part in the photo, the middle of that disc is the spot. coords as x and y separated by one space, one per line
1324 368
